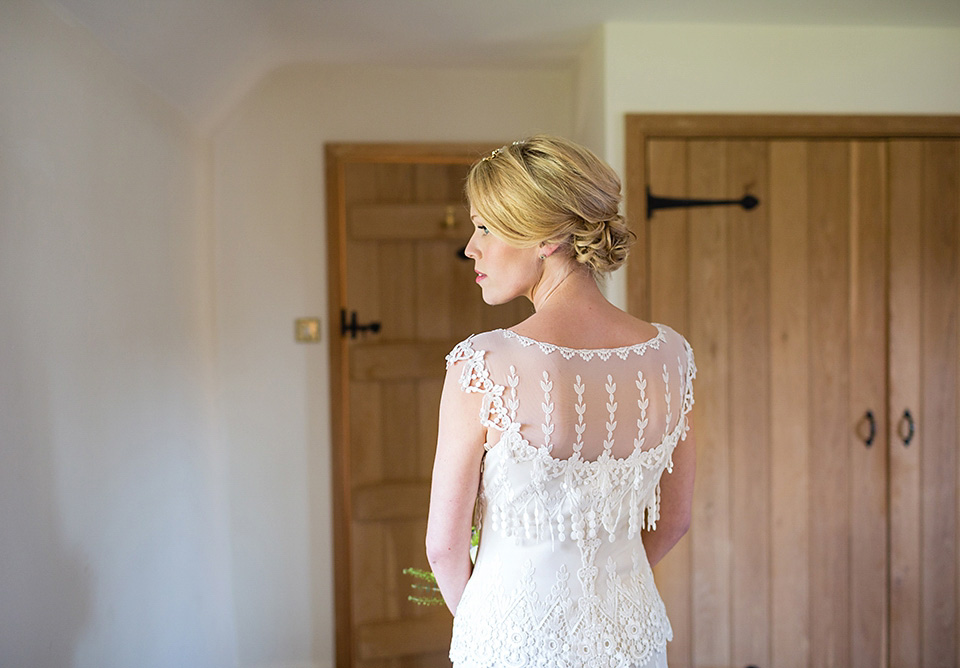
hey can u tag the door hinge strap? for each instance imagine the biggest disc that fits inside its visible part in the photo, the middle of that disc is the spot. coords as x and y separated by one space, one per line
655 202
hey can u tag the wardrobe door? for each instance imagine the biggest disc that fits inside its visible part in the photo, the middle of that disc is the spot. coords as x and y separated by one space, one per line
785 564
924 404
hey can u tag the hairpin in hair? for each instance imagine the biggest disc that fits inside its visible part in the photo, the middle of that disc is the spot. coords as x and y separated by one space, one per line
497 151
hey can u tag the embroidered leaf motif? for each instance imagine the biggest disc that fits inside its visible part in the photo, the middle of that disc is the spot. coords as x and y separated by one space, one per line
580 408
513 380
547 385
666 398
642 403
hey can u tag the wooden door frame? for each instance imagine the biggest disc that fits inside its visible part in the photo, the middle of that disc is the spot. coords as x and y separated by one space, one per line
338 157
642 127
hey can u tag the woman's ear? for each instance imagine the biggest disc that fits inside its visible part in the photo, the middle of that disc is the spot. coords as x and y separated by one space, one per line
548 248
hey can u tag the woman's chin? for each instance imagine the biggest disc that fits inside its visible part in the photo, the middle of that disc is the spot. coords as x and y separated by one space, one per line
490 299
497 300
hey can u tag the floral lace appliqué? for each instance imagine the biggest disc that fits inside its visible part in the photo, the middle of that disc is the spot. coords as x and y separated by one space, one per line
476 378
618 622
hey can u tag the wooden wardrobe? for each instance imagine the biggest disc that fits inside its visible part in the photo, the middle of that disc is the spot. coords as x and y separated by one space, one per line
826 326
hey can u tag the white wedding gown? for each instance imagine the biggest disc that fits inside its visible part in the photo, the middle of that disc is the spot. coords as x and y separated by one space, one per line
577 442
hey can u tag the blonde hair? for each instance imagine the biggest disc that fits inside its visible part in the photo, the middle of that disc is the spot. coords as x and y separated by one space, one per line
550 190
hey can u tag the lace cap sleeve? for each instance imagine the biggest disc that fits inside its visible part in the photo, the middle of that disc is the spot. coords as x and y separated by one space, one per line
475 377
462 351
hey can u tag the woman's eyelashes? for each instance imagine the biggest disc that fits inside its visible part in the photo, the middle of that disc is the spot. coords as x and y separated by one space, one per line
483 228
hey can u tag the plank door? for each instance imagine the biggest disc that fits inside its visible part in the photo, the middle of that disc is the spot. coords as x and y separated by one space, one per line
785 564
402 223
924 437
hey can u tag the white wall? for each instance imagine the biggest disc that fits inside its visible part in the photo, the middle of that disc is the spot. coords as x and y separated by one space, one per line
112 526
590 100
660 68
777 69
271 268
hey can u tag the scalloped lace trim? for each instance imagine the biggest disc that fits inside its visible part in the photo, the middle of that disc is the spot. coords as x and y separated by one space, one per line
588 354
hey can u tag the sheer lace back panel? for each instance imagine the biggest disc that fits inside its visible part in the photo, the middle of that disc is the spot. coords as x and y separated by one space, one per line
577 441
576 403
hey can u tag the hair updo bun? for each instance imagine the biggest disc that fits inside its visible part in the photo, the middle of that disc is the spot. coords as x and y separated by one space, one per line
602 246
548 189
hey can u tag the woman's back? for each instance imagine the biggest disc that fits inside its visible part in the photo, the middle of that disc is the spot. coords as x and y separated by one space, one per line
577 440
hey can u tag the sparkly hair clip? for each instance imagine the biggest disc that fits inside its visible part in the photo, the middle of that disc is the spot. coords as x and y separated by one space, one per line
497 151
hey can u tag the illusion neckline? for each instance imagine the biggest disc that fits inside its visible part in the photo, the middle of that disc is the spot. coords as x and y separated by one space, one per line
568 351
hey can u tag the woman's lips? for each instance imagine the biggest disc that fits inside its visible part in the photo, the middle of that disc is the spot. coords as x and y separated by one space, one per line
480 276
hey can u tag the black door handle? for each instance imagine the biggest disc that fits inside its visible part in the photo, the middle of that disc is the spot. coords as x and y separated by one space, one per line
872 422
911 427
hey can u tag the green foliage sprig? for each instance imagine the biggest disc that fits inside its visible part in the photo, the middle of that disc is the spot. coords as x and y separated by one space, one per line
426 582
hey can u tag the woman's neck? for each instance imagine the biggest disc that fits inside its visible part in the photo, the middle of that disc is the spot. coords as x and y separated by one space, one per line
566 286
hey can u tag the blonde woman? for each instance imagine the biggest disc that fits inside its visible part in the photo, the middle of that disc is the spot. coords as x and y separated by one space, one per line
555 434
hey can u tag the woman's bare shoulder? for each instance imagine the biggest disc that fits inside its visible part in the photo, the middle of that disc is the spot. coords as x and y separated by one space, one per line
601 328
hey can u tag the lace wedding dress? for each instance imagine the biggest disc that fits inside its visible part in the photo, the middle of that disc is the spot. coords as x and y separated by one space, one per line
577 442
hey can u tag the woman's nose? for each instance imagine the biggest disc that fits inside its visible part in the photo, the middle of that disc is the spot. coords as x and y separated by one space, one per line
471 250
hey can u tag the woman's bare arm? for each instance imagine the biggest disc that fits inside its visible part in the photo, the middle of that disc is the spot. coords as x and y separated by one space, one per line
676 502
456 478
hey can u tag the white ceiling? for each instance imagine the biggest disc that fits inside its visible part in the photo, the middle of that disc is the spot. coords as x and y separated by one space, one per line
201 54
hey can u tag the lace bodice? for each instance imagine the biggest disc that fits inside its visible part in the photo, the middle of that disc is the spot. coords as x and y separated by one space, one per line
576 443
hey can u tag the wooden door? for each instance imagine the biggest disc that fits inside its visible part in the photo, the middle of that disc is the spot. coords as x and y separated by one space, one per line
771 573
924 438
786 306
398 221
